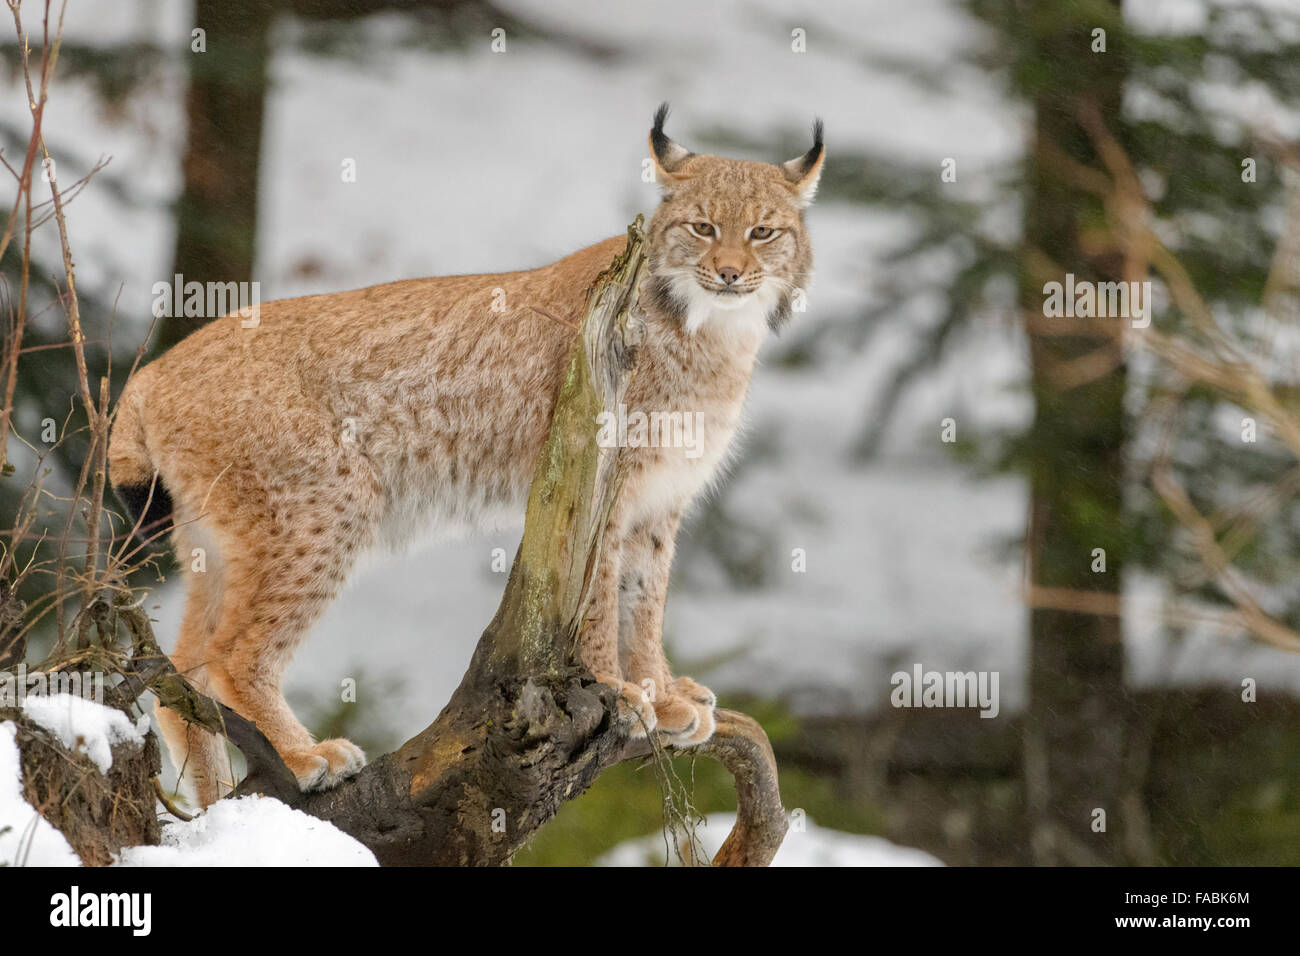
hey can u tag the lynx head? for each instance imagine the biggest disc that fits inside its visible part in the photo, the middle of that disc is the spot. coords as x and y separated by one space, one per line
728 242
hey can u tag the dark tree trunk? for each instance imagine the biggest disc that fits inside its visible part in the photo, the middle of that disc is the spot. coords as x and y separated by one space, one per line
1076 728
216 216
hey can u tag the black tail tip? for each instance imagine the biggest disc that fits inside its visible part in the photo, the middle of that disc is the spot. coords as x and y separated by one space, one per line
149 507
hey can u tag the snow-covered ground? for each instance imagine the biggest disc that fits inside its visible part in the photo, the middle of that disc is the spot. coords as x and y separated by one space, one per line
471 161
251 831
83 726
26 837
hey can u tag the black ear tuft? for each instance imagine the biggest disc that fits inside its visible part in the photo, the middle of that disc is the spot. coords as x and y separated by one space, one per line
661 115
658 139
811 157
799 167
668 155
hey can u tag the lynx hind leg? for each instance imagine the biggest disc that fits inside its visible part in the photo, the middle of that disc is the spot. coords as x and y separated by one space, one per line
683 708
289 567
201 759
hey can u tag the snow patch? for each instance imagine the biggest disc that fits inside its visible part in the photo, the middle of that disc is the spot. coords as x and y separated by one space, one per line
26 837
85 726
251 831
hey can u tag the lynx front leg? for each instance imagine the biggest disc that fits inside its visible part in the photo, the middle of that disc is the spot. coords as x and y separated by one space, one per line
598 644
683 708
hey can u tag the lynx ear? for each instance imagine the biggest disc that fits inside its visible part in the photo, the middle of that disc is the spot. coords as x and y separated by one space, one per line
666 155
804 172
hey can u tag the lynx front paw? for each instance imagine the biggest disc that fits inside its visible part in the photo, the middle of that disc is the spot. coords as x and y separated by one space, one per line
685 713
326 764
634 705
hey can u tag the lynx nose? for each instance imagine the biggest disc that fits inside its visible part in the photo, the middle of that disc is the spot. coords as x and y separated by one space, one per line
729 274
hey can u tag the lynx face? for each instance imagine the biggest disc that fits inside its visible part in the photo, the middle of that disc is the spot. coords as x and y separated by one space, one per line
728 242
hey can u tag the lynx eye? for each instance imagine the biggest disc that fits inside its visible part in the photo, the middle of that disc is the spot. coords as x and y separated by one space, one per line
761 232
702 229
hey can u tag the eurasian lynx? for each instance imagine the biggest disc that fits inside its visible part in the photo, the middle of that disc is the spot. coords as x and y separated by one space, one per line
344 422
